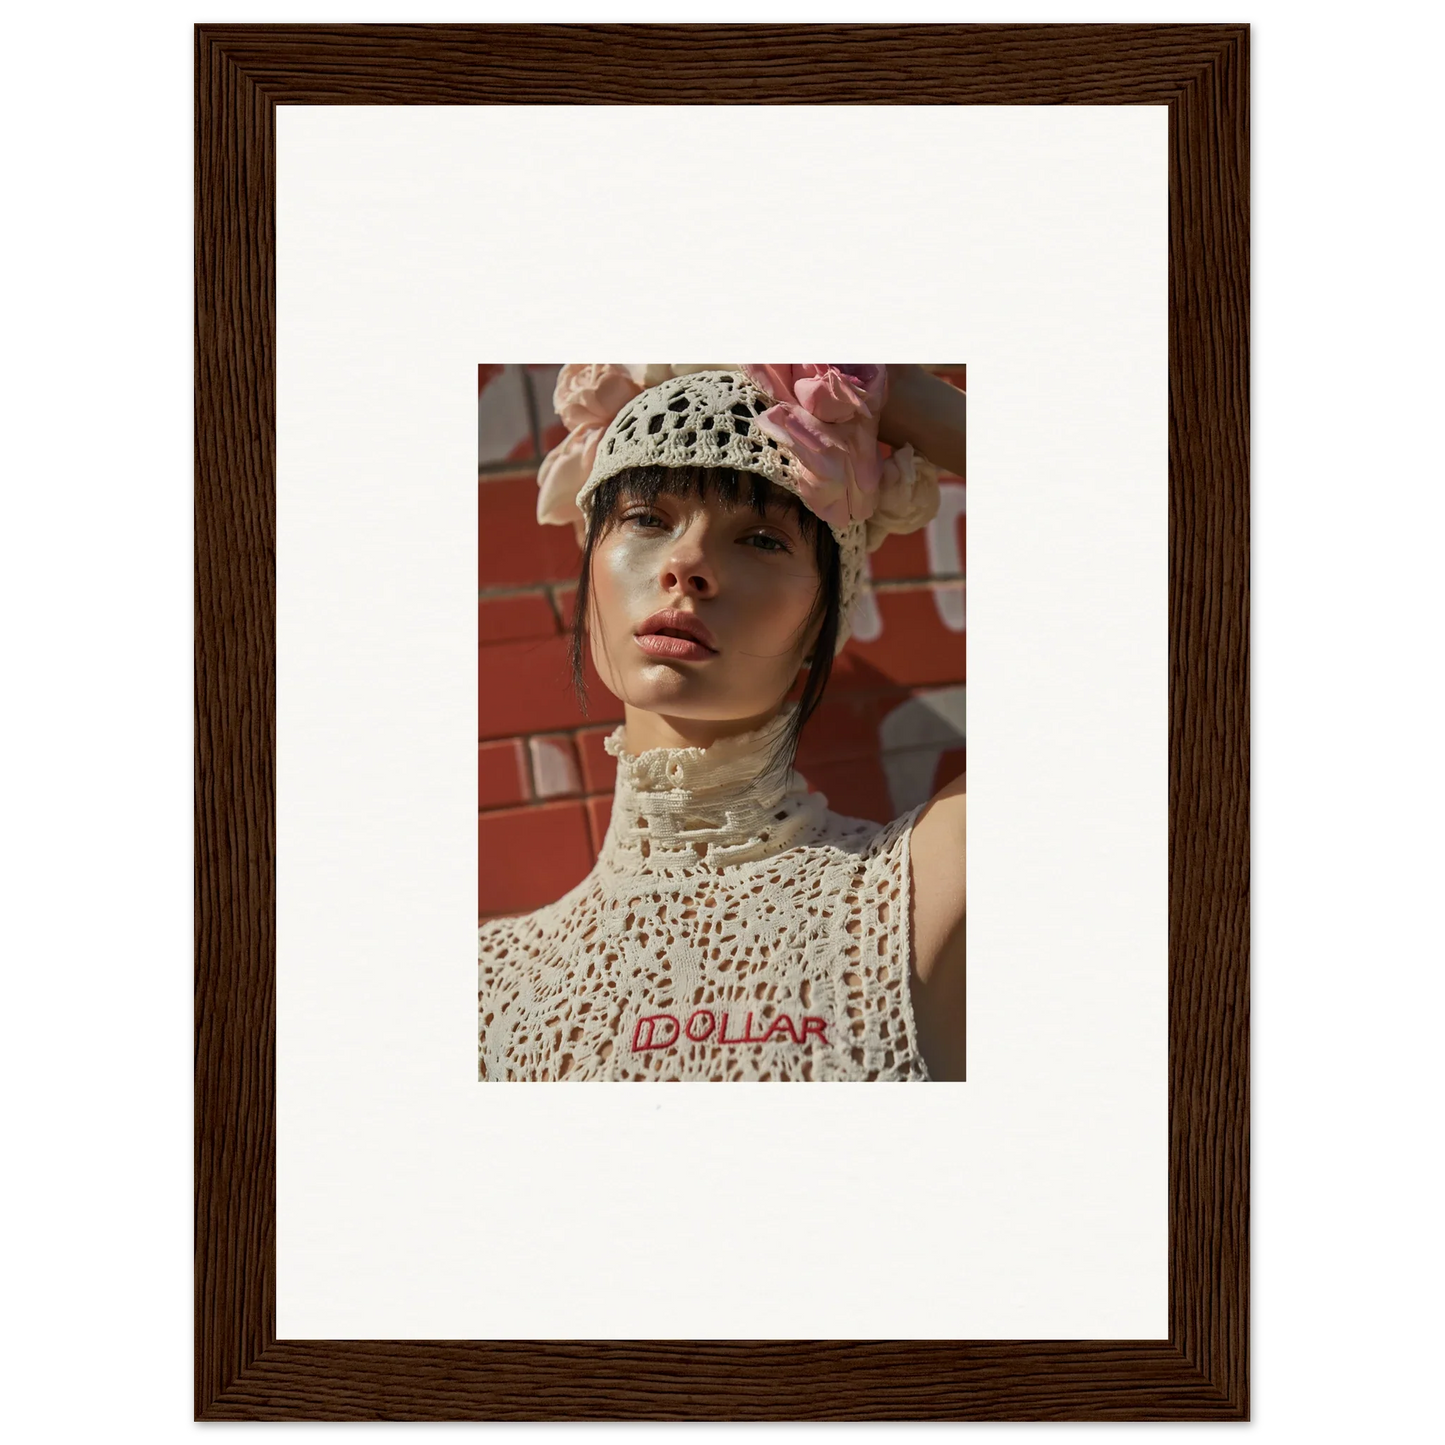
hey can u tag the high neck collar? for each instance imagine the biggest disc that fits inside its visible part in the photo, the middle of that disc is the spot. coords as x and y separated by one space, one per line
714 806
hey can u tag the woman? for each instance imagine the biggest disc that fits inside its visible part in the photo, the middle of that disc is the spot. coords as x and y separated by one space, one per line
733 926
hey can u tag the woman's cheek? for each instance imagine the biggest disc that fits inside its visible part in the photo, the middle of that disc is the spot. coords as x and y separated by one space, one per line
622 581
609 632
610 681
629 573
779 607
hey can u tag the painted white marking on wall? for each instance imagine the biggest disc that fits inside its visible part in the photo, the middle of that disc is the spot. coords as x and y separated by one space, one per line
554 769
910 778
519 760
502 420
866 620
948 602
914 736
944 555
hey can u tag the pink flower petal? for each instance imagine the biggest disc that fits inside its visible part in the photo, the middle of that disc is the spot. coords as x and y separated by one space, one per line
563 471
592 392
777 381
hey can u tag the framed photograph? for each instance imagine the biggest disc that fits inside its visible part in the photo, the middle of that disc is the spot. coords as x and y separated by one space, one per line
649 679
672 883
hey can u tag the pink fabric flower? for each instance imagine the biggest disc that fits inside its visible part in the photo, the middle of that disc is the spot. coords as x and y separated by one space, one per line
827 416
586 397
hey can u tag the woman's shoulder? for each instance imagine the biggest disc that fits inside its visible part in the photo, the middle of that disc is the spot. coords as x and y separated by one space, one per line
920 853
939 905
942 822
938 852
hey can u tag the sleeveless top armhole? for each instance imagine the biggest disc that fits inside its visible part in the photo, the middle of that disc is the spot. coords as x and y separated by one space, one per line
898 841
890 861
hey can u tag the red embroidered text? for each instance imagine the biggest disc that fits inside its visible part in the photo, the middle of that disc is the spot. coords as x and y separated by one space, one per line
662 1031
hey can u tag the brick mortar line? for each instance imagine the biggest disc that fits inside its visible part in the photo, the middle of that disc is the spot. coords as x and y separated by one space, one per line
546 589
509 471
522 589
553 735
893 584
575 733
556 606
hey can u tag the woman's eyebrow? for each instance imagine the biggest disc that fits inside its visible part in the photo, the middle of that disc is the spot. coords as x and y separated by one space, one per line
776 511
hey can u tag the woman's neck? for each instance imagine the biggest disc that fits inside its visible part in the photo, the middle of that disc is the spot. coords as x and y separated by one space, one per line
676 806
668 730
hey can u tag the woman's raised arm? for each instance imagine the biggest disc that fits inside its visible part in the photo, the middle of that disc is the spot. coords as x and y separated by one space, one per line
926 411
937 850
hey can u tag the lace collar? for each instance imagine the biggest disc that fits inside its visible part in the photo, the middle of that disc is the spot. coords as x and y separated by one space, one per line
713 806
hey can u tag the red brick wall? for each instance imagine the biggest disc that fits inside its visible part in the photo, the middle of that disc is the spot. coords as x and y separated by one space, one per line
887 733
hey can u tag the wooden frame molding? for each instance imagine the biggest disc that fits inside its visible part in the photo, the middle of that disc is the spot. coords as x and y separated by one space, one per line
1201 74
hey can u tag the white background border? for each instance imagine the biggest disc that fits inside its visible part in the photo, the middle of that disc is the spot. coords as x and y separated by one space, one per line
1030 243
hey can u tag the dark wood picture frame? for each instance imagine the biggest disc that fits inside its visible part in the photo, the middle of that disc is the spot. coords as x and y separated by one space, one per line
1200 72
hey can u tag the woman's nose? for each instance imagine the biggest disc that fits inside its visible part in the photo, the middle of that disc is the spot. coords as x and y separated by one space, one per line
687 567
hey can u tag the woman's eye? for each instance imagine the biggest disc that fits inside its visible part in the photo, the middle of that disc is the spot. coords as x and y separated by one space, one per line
645 517
770 544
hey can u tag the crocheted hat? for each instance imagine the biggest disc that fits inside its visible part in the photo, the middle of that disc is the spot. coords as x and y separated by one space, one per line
812 430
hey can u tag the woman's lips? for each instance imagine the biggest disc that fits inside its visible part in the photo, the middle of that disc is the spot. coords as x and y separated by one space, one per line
683 649
676 633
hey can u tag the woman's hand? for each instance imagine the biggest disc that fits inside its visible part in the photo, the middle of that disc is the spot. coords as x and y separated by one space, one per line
937 850
927 412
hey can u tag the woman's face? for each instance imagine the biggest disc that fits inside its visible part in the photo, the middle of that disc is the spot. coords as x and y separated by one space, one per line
749 581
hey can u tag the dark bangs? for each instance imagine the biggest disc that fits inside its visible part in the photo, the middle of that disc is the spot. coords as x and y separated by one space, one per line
734 486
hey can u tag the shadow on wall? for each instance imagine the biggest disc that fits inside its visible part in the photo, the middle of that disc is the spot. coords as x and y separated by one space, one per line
913 739
889 732
516 422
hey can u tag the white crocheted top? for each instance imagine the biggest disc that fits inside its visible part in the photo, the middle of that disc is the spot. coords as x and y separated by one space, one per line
730 928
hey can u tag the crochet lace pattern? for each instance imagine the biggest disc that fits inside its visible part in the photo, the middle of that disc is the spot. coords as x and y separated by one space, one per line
706 419
732 928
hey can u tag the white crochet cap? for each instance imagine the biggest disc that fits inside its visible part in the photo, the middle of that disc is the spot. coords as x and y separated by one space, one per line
705 418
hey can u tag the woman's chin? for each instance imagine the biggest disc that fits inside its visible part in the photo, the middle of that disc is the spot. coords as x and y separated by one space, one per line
669 690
